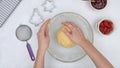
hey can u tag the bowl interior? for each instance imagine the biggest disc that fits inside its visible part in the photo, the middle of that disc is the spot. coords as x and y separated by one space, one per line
68 54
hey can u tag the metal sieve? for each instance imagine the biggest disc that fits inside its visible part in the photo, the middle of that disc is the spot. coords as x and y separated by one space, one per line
24 33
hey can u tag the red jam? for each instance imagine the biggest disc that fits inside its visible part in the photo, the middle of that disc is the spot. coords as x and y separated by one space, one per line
98 4
106 27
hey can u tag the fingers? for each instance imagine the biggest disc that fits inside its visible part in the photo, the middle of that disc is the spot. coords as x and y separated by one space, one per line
67 33
44 26
73 24
79 29
68 25
47 32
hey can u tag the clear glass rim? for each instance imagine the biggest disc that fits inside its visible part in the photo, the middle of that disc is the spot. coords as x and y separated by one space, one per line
53 55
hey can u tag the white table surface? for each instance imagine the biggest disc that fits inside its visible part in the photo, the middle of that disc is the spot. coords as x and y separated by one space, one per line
13 53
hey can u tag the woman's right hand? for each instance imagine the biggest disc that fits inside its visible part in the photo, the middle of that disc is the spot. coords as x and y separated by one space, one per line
76 35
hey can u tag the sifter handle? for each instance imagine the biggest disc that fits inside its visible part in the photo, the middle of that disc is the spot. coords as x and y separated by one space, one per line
30 52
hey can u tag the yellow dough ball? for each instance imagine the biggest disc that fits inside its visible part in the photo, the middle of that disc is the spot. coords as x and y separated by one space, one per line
62 39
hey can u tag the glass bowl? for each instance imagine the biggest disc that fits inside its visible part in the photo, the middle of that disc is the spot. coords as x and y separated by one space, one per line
68 54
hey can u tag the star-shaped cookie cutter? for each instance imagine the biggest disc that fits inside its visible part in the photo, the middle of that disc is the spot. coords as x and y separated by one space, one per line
48 5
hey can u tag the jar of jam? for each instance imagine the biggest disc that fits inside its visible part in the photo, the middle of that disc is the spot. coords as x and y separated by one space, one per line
99 4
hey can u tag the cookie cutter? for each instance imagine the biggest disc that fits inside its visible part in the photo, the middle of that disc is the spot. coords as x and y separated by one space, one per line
36 17
49 5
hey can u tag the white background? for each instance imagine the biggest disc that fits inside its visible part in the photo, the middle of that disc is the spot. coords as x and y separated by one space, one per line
13 53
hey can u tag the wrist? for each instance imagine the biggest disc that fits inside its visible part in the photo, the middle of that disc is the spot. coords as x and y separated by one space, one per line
83 42
41 52
39 57
42 48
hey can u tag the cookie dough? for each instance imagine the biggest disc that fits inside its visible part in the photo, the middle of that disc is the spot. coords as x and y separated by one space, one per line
62 39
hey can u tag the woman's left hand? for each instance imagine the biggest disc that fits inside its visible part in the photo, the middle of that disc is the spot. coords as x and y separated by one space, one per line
43 37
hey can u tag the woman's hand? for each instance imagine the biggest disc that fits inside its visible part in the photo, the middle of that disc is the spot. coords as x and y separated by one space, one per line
76 35
43 42
43 37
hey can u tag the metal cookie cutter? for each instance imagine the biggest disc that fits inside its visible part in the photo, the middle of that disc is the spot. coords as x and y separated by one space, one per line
49 5
36 17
